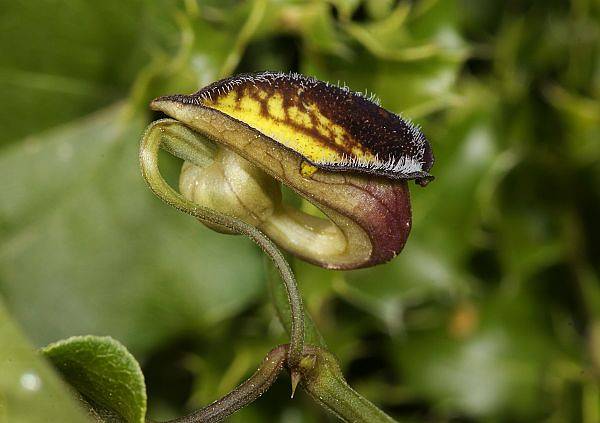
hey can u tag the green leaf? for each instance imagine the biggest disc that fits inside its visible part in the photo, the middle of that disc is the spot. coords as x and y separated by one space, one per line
103 370
80 60
85 247
30 391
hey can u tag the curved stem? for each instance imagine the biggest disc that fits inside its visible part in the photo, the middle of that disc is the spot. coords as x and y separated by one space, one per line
150 145
245 393
312 336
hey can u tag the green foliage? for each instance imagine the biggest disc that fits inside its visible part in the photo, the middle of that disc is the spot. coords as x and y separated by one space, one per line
30 391
85 225
84 58
104 371
489 314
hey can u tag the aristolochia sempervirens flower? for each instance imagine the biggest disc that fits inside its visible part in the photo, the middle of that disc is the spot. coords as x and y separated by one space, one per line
338 149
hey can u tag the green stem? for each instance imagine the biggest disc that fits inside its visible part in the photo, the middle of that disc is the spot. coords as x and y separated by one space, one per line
279 300
245 393
320 373
154 136
323 380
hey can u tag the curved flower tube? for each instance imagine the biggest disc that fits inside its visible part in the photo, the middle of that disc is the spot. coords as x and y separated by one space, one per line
338 149
167 133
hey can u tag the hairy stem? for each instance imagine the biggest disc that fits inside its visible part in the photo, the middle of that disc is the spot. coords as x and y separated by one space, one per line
152 140
245 393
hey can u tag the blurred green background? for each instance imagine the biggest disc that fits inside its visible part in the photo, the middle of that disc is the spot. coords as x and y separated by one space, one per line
492 311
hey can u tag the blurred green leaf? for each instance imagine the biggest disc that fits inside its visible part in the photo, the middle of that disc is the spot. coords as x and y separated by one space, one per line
86 248
81 59
103 370
314 23
30 391
378 9
346 7
528 244
488 358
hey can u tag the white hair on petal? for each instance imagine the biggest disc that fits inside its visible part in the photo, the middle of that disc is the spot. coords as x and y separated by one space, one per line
403 164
